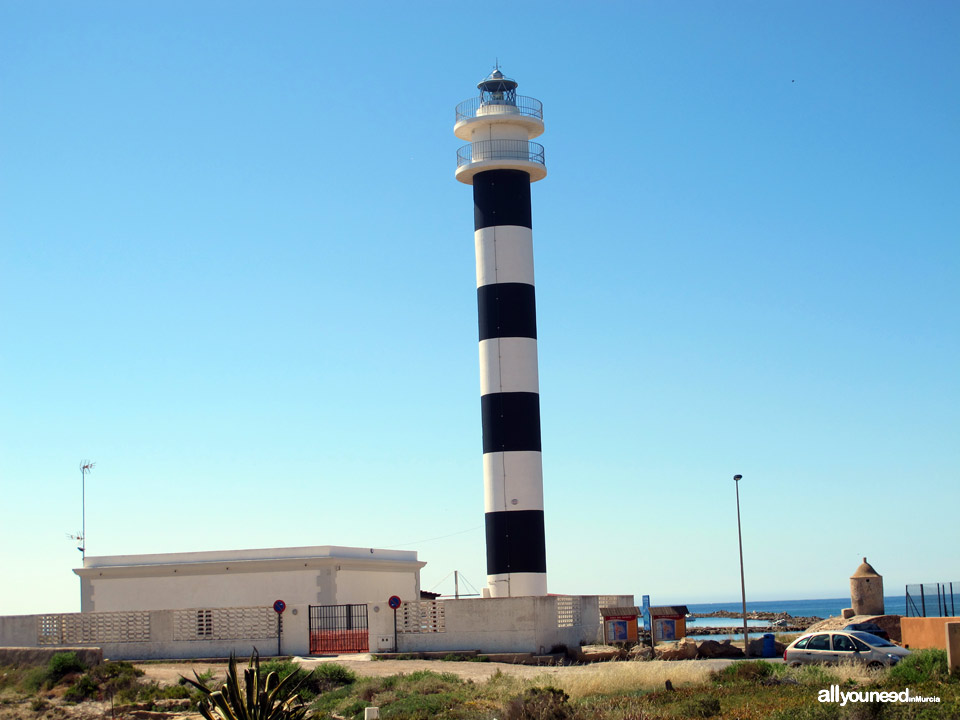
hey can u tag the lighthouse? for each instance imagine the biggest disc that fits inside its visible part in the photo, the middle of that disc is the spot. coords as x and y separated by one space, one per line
501 162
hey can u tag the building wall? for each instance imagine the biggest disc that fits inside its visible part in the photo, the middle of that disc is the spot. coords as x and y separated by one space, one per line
322 586
929 632
522 624
18 631
245 578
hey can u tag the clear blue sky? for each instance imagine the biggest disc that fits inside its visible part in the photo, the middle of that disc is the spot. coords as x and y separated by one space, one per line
238 274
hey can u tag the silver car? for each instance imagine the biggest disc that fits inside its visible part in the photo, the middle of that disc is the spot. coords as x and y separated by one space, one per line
836 647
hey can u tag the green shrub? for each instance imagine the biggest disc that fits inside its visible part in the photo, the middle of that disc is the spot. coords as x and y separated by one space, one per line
699 707
745 671
34 680
354 709
115 678
283 668
151 692
62 664
539 703
58 667
920 666
325 676
84 688
336 674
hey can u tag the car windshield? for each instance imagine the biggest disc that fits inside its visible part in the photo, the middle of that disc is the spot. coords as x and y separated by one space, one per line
872 639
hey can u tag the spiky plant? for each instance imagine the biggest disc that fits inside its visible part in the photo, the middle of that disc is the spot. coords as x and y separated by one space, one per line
254 698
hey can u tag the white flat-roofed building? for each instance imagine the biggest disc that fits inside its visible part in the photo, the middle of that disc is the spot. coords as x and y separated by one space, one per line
319 575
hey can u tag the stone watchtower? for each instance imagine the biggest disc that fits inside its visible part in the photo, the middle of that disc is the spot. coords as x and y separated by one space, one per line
866 590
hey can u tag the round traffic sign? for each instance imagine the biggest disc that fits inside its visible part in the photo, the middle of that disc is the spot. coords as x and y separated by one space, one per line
279 606
394 602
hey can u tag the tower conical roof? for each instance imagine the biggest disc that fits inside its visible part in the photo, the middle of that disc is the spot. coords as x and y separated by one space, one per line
865 570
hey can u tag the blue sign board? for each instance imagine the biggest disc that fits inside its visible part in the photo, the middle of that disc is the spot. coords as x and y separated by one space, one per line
646 613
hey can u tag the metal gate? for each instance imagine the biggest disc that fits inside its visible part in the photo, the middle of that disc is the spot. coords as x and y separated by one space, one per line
338 629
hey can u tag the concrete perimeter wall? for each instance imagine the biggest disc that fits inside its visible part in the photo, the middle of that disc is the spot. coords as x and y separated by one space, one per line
492 625
162 634
925 632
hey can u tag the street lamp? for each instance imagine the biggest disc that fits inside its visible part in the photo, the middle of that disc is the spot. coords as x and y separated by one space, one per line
743 592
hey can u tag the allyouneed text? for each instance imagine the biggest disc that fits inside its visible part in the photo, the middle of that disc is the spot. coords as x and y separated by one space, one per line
834 694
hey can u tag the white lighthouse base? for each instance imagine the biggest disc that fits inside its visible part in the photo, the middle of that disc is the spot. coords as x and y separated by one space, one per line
517 584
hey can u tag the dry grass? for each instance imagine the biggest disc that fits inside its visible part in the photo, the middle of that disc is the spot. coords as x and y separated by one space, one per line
626 677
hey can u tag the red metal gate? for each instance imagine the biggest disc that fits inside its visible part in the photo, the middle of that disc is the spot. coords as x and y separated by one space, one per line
338 629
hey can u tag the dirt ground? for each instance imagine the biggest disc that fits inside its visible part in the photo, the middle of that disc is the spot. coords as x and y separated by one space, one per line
364 666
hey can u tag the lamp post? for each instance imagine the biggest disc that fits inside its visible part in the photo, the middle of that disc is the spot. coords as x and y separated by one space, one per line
743 592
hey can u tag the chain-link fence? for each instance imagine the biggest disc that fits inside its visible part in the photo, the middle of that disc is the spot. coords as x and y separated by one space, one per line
933 599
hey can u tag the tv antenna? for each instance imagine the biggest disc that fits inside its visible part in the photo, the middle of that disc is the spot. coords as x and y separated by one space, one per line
85 467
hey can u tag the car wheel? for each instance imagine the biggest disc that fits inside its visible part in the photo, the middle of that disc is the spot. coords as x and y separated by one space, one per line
794 664
875 665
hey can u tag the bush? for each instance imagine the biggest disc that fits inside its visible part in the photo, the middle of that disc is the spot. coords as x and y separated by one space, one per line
325 676
84 688
920 666
336 674
151 692
699 707
282 668
539 703
62 664
34 680
745 671
58 667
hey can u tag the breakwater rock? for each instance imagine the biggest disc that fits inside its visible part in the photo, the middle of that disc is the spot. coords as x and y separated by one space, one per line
695 629
755 615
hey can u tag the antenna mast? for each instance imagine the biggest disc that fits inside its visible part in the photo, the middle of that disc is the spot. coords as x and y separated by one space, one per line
85 467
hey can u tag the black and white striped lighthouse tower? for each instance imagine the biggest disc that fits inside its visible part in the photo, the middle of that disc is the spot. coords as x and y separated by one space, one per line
501 162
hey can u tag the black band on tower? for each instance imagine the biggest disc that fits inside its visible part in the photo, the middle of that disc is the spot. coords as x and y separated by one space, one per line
507 310
511 421
501 197
515 542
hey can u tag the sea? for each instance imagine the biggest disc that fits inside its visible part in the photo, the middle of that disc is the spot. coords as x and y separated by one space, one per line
821 607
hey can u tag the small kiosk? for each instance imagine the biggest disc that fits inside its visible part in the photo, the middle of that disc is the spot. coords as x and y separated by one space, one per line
619 624
669 622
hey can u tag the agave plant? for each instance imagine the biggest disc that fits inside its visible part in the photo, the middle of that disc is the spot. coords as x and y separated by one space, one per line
254 698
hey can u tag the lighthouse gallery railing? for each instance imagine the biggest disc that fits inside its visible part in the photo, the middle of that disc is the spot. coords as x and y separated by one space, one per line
500 150
526 106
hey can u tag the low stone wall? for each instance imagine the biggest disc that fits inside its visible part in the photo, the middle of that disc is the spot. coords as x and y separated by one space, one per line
89 656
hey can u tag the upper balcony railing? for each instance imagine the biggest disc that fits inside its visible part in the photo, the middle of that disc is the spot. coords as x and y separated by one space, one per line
526 106
500 150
